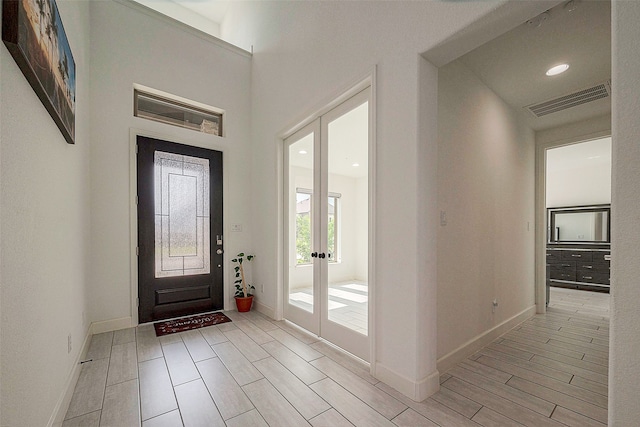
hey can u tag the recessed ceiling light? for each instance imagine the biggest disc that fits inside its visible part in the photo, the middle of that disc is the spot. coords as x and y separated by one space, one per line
355 165
558 69
302 152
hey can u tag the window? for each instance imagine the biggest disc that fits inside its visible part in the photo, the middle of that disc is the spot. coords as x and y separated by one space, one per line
172 112
304 242
332 228
303 227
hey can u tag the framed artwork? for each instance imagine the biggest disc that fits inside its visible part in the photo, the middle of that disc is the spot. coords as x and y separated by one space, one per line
32 31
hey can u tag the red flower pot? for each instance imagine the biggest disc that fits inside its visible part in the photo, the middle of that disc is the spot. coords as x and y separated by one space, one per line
244 303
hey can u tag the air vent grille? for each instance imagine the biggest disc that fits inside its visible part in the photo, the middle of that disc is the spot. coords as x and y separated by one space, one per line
600 91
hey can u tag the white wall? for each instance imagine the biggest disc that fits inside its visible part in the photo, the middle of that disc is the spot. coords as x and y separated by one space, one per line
486 159
579 174
147 51
183 14
624 370
44 211
305 55
595 127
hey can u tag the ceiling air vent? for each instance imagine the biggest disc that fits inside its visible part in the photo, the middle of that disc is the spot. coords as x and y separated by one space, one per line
600 91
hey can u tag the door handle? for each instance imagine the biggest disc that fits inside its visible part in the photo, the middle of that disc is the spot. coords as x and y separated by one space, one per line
219 251
322 255
314 254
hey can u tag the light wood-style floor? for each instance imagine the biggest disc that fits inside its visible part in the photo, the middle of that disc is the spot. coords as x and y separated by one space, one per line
348 303
549 371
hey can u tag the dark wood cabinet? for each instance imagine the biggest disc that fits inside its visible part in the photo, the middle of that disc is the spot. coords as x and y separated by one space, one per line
581 268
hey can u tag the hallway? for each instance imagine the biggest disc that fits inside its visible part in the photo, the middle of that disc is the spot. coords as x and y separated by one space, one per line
549 371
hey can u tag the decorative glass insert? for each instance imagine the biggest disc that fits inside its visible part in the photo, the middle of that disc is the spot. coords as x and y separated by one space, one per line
182 243
169 111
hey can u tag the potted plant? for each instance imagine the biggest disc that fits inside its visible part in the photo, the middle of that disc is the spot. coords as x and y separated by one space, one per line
244 291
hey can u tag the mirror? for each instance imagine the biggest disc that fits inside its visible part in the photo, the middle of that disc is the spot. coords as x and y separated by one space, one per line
579 225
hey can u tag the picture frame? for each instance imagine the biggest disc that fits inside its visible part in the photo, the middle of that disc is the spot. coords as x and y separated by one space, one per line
33 32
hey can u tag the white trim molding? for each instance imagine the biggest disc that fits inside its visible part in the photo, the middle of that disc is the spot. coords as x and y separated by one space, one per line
415 390
451 359
264 309
60 410
184 137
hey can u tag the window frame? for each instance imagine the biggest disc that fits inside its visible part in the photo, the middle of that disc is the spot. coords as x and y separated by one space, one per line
336 230
181 105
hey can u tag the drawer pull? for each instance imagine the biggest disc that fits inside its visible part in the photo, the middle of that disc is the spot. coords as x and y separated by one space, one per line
587 277
577 255
587 266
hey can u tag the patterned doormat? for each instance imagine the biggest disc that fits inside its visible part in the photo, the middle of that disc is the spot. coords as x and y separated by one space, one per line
188 323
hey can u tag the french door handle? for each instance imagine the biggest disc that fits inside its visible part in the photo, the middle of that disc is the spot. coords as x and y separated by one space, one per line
322 255
314 254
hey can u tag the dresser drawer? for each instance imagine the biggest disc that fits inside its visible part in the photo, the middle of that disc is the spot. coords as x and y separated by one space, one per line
563 266
598 256
593 267
553 255
563 275
577 255
599 278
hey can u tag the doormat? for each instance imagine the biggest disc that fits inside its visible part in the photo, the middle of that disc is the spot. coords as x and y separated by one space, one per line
188 323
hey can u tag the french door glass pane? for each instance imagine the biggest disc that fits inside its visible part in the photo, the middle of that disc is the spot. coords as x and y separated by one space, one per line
181 198
347 222
301 223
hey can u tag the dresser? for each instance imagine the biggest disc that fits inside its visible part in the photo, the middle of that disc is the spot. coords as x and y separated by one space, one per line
579 268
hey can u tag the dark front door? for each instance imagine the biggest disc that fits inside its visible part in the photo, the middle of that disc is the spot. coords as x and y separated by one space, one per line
179 229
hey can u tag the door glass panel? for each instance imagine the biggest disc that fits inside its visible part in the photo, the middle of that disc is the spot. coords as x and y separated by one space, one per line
181 199
301 223
347 222
332 229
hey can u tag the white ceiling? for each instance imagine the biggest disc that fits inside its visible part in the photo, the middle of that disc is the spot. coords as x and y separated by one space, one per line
514 64
213 10
204 15
348 145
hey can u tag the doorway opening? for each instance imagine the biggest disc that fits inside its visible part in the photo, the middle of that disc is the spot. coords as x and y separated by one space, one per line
578 223
327 227
179 212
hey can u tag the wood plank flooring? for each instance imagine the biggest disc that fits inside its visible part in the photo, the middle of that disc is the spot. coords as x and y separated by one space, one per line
551 370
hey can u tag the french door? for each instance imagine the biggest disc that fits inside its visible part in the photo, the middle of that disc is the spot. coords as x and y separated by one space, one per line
327 225
179 211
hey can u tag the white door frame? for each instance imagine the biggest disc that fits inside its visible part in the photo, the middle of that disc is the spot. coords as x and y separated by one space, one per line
197 140
541 210
368 81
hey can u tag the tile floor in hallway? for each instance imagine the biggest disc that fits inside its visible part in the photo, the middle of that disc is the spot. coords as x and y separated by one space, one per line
549 371
580 302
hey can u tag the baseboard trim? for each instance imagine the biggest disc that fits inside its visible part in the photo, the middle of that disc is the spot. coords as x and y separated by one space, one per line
428 386
57 418
416 391
451 359
111 325
264 309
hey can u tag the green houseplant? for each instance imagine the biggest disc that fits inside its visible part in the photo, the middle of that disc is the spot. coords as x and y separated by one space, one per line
244 290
